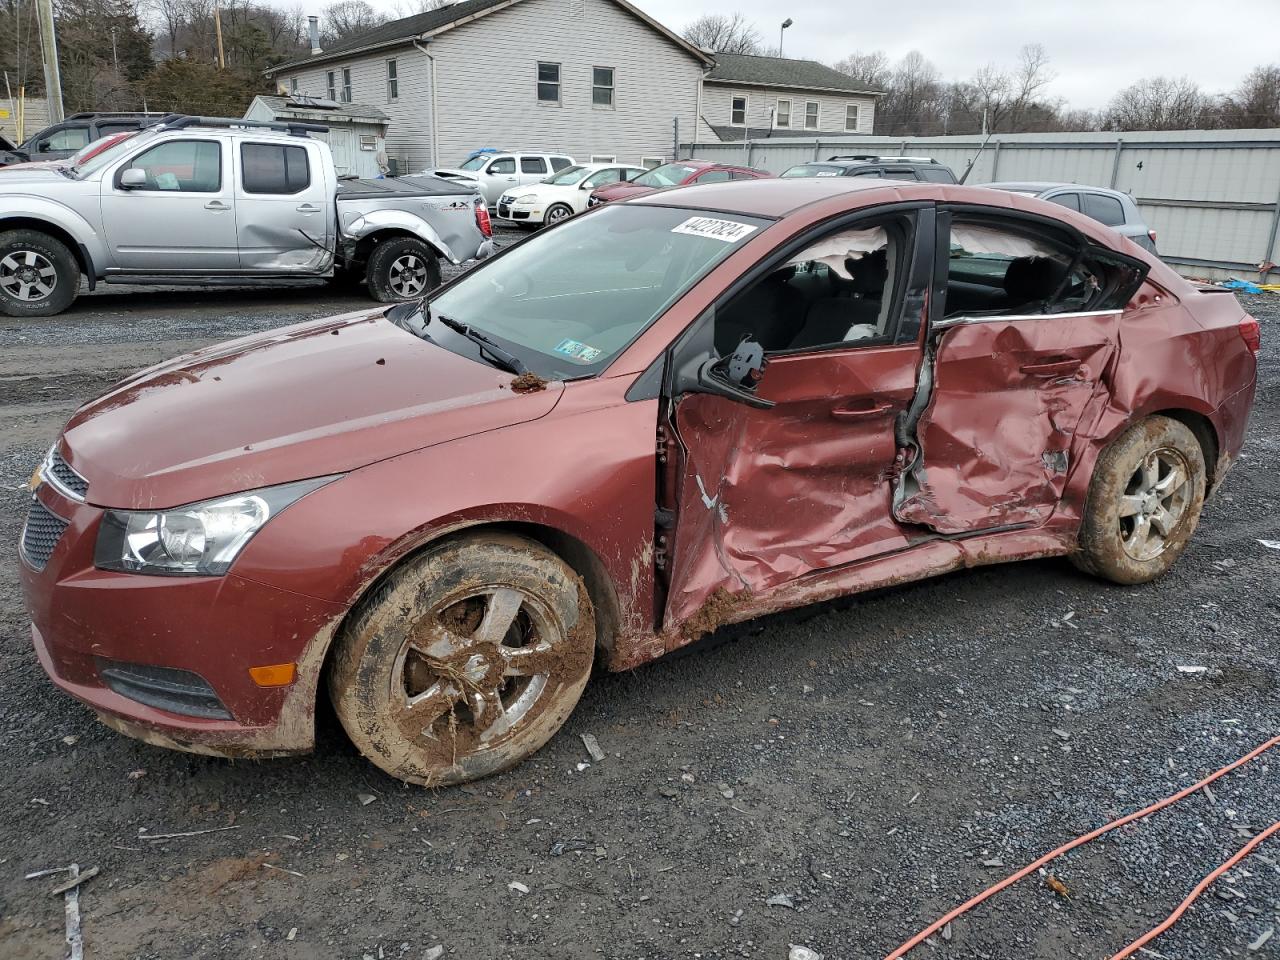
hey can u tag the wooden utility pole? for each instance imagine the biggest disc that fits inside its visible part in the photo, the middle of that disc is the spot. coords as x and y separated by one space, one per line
49 49
217 27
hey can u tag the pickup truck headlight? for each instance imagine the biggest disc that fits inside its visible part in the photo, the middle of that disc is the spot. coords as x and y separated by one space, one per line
201 539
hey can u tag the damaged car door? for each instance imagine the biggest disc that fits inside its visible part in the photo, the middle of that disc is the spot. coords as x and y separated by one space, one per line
284 207
777 479
1016 361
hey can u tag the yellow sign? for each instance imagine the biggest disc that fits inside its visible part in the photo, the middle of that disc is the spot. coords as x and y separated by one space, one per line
4 114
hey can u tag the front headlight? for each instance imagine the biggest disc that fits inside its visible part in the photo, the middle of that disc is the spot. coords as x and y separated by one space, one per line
201 539
526 198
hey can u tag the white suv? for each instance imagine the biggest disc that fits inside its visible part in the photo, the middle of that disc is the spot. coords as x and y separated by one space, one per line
498 172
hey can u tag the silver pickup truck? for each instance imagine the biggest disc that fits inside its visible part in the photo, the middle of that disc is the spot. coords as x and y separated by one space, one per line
199 200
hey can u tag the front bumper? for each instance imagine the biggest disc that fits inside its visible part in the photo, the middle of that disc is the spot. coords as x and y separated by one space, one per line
85 621
518 212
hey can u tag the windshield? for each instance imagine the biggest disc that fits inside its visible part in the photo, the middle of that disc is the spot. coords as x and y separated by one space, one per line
667 175
475 163
568 176
113 152
813 170
566 302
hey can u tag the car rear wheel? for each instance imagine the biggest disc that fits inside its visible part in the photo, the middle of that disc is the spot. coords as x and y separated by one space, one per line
39 276
402 268
1144 502
557 212
465 661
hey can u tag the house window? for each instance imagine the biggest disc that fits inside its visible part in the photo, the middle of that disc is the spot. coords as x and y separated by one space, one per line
548 82
738 112
782 117
601 159
851 116
346 84
293 84
602 86
331 85
650 162
368 143
811 115
393 81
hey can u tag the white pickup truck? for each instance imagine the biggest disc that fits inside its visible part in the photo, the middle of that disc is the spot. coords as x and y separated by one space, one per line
201 201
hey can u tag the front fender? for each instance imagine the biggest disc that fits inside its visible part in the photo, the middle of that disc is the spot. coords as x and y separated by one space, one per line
31 207
451 244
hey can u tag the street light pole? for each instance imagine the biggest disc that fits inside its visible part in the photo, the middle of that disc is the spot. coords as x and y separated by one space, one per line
785 23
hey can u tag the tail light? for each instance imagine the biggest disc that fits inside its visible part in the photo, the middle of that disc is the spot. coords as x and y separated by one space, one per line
1251 331
482 218
1152 235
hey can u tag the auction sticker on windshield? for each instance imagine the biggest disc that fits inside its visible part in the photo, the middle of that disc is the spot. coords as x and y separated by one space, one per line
578 351
727 230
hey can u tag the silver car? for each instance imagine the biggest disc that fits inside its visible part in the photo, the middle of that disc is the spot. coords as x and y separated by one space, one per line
200 200
1111 207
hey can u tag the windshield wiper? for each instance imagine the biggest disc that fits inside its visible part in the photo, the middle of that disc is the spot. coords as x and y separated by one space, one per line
488 348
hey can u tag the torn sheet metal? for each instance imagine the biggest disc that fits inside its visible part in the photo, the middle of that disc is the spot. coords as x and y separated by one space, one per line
994 444
771 495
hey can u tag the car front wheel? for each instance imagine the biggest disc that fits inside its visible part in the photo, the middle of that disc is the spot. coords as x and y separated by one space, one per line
1144 502
465 660
39 276
558 212
402 268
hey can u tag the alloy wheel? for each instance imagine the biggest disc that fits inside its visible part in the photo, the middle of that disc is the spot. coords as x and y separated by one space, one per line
408 276
27 276
1154 503
557 213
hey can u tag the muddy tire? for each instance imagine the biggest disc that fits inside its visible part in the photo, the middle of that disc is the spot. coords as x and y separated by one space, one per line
466 660
402 268
1144 502
39 276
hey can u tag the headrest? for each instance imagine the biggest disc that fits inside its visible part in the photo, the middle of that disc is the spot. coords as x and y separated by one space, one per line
1029 279
870 271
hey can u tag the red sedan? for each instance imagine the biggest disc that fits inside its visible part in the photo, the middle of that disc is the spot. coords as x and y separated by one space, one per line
681 173
661 416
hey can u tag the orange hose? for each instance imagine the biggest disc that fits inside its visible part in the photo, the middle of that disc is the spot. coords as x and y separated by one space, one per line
1200 888
1030 868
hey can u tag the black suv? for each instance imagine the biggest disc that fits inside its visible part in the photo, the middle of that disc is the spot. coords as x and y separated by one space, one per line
867 165
61 140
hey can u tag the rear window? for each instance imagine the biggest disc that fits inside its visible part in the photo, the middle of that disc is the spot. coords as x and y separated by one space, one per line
936 174
559 163
667 175
1104 209
814 170
1069 200
274 168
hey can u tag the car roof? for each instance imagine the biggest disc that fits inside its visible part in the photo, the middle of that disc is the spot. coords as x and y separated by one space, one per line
766 197
1043 186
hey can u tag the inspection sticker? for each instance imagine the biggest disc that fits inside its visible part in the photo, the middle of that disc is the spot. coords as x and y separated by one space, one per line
578 351
726 230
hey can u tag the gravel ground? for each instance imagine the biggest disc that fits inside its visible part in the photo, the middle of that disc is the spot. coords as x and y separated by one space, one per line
836 777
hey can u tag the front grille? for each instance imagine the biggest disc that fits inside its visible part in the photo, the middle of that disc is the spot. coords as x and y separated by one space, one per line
63 476
40 535
503 209
177 691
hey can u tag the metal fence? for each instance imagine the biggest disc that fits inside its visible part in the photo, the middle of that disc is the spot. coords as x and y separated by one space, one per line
1212 196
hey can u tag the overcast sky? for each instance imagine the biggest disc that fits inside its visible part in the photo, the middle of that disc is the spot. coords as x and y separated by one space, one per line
1096 46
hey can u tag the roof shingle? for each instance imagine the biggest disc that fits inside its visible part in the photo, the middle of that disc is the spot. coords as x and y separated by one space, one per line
781 72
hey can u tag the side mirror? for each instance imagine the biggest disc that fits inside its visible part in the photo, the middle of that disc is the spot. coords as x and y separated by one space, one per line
132 178
737 375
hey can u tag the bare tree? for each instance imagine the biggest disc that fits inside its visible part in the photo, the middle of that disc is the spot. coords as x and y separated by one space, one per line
409 8
1160 103
724 34
872 68
1256 102
347 18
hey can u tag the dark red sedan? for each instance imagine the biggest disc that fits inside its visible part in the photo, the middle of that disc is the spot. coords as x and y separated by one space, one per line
661 416
681 173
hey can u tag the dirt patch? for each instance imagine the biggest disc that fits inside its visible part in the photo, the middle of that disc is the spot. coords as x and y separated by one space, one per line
717 611
528 382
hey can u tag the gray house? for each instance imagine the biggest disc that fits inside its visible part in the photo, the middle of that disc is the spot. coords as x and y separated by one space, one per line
751 97
597 79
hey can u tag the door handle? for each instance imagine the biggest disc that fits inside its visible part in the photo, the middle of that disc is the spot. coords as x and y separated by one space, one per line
307 208
860 413
1056 368
216 205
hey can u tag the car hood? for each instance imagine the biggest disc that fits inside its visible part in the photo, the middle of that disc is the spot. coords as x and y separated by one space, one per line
622 191
38 174
451 172
322 397
541 190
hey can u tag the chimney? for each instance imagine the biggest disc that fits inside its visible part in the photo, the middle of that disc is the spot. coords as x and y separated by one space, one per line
313 27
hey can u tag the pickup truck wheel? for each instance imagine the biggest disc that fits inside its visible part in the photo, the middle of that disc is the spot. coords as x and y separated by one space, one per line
465 660
38 274
403 268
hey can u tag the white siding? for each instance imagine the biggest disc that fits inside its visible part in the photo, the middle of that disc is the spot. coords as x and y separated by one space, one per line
409 134
717 101
486 70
